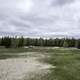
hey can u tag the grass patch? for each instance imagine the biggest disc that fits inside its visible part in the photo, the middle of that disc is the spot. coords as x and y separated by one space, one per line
67 62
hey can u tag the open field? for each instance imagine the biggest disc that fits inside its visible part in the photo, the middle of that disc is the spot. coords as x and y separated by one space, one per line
40 63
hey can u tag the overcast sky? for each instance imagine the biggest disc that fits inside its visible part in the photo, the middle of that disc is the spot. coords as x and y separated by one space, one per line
40 17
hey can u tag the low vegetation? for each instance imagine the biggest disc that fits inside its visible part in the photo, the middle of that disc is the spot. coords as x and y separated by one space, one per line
65 60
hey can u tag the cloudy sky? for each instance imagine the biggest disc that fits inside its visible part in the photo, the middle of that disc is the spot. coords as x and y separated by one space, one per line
40 17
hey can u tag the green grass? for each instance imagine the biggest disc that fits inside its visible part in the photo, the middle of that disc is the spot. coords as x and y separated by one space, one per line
20 50
67 62
13 52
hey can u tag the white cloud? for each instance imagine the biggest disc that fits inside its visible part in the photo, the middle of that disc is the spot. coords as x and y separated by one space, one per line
25 5
40 17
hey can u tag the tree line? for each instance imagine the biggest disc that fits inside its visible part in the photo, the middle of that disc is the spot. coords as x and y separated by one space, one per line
15 42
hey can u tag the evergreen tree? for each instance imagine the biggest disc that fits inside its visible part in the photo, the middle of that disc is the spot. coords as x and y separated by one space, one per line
65 44
21 42
77 45
6 41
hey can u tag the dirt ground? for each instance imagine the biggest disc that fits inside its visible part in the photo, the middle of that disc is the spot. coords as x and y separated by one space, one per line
26 66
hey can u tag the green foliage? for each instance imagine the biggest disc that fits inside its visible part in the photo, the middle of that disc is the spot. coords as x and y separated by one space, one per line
78 43
6 41
65 44
20 42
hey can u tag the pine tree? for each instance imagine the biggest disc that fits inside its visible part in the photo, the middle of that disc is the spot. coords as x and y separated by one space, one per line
65 44
77 45
6 41
21 42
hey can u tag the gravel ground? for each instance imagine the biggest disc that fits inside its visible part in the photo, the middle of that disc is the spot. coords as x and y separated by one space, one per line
18 68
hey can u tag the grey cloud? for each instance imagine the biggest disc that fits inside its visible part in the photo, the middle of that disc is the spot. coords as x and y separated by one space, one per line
61 2
42 19
20 24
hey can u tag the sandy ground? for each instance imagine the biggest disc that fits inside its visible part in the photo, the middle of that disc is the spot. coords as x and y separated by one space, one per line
19 68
